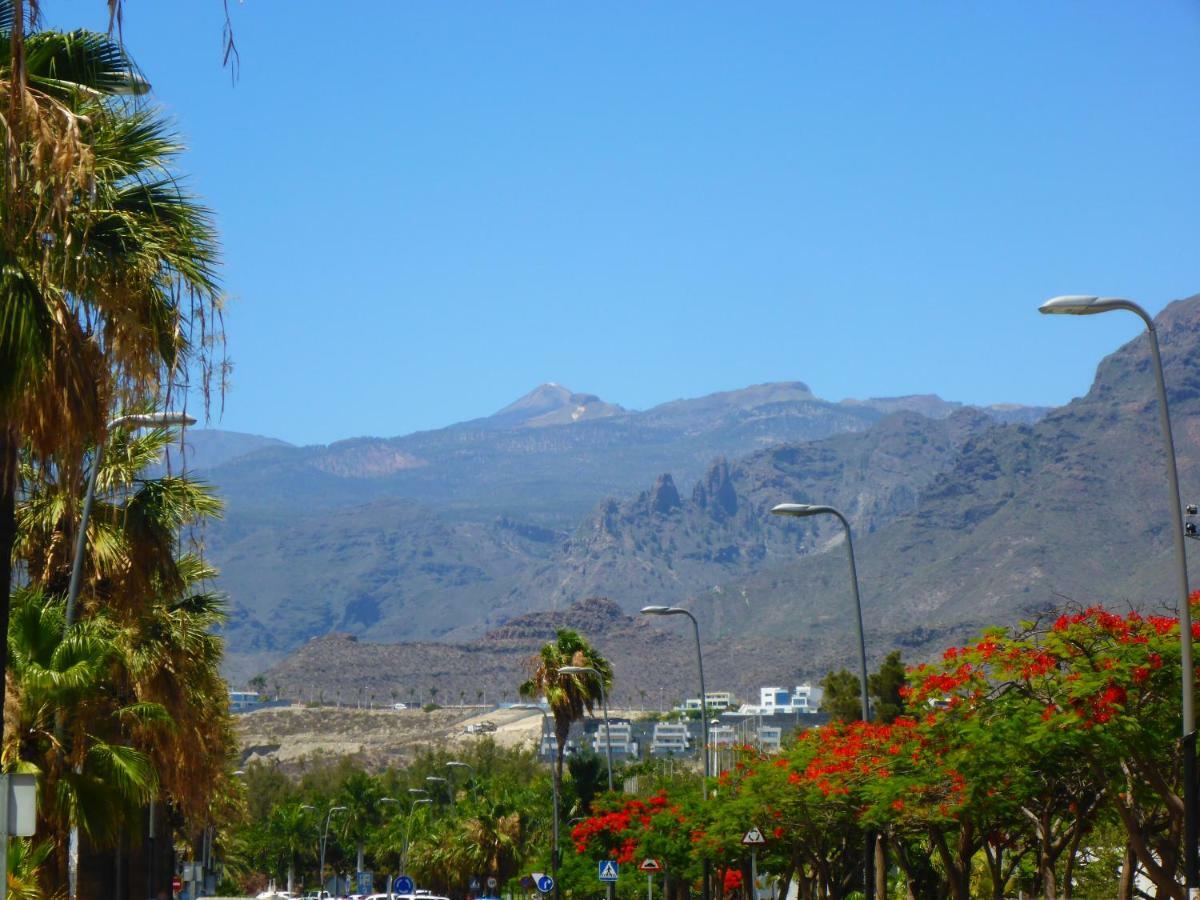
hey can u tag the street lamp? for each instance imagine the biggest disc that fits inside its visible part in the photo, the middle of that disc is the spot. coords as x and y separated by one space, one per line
588 670
437 779
324 839
383 800
680 611
554 792
1084 305
801 511
458 764
408 831
133 420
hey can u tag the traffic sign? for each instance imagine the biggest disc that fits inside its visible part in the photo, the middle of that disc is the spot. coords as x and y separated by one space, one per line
754 836
475 885
608 870
403 885
492 882
176 884
545 883
650 865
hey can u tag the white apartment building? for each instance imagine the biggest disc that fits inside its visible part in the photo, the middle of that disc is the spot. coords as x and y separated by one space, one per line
243 700
618 735
670 737
714 700
803 700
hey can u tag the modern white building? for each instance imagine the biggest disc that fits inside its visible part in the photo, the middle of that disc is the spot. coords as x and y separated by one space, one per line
670 738
772 701
713 700
243 700
770 738
620 738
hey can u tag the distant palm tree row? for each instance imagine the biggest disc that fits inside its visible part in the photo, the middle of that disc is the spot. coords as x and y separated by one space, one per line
108 304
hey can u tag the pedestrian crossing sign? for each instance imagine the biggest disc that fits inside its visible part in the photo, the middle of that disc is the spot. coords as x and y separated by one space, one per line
608 870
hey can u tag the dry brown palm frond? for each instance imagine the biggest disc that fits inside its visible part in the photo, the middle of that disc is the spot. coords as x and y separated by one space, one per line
47 163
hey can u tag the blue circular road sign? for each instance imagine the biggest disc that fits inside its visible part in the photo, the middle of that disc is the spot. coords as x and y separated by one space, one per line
545 884
403 885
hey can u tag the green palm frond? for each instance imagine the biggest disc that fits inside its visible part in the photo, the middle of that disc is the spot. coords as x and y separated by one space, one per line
66 63
147 715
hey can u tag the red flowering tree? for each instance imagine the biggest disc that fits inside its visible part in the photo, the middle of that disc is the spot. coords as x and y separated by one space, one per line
666 825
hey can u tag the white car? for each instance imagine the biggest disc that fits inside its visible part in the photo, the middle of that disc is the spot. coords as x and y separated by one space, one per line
394 706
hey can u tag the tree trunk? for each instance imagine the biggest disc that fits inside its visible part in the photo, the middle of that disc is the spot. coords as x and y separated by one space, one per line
881 867
1125 885
9 445
291 877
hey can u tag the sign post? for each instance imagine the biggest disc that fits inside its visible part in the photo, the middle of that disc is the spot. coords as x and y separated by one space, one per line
650 866
753 839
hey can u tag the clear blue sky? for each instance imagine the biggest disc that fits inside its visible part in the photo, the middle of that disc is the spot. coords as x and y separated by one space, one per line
428 208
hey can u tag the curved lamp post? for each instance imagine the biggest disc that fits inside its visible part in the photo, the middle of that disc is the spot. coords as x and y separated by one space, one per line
133 420
408 832
554 791
438 779
459 764
1086 305
383 800
801 511
325 839
588 670
680 611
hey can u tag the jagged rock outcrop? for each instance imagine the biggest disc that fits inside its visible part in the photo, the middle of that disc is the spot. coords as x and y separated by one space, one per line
663 498
716 493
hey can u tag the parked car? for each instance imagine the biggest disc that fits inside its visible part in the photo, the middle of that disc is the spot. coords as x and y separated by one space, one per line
396 706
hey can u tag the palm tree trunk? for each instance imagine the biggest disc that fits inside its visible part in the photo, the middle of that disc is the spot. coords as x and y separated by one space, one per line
8 537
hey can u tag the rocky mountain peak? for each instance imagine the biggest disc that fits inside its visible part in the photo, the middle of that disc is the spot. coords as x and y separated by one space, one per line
552 404
715 492
664 496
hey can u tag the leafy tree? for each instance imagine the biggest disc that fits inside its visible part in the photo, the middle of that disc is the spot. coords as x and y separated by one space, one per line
842 698
886 689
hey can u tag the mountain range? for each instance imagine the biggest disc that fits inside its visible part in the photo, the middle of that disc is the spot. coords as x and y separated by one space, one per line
963 517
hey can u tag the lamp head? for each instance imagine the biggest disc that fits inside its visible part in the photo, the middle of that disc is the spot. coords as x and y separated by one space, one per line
576 670
153 420
656 610
1082 305
799 510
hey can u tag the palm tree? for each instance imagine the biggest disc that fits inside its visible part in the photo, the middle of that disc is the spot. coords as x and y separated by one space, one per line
106 296
360 795
290 832
166 657
100 784
567 695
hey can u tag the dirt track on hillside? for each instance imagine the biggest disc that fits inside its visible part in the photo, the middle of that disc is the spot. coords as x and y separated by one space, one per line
296 736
